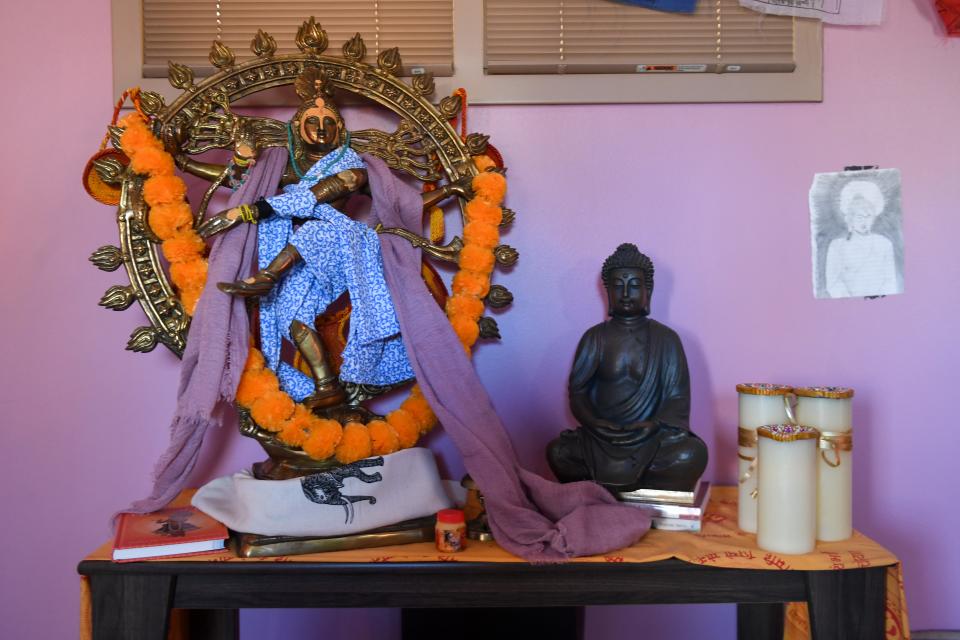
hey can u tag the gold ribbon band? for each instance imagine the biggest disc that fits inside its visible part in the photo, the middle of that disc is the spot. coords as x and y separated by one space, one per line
746 437
835 441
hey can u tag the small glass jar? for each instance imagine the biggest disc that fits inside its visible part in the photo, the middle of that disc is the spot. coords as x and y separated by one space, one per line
451 531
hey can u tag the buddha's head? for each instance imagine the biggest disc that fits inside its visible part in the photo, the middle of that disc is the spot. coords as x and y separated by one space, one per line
628 277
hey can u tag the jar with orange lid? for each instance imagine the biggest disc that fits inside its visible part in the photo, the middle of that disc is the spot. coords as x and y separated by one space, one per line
451 530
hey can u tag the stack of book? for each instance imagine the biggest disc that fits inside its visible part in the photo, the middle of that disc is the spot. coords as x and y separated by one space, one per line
671 510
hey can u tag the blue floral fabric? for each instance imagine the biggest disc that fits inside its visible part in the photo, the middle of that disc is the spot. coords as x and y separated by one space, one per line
339 254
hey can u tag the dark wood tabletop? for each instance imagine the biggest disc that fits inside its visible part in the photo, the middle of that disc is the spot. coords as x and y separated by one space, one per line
133 600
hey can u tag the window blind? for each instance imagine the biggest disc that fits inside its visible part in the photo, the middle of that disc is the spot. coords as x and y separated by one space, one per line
602 36
183 30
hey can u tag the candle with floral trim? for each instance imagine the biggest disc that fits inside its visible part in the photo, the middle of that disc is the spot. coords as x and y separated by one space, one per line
760 404
830 409
787 485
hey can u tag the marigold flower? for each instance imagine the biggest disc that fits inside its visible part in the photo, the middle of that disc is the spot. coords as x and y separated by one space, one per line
324 437
255 384
168 219
355 444
481 234
183 246
272 410
464 306
471 283
153 161
476 259
481 211
383 439
490 185
417 406
408 431
164 190
483 162
467 330
255 360
296 430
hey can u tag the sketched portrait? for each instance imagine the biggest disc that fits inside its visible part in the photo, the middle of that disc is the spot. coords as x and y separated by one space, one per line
856 228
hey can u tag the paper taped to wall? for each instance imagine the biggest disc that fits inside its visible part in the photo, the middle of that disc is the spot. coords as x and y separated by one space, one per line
856 230
832 11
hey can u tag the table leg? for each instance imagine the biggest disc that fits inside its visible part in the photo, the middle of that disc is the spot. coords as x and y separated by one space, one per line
760 621
131 606
848 604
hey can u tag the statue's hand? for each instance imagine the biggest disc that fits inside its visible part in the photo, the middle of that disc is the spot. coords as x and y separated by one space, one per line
223 221
621 434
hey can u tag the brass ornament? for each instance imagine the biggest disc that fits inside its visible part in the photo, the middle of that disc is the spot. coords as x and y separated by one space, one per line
263 44
221 55
151 102
489 330
143 340
477 143
180 76
109 169
354 49
115 133
389 60
764 389
118 298
509 216
499 296
450 106
506 255
311 38
424 85
406 149
107 258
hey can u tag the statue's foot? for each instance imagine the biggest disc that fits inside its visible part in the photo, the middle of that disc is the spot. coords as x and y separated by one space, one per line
259 284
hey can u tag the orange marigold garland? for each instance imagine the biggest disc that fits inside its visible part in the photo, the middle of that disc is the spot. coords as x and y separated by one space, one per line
170 216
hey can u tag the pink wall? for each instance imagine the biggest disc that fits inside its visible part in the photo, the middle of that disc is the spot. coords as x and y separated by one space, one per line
715 193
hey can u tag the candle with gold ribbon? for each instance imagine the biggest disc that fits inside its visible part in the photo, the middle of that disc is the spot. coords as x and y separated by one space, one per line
760 404
830 410
787 486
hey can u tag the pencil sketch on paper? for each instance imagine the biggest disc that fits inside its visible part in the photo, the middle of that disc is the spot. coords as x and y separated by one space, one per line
856 229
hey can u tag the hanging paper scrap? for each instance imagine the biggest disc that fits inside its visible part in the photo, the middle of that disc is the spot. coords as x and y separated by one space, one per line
675 6
856 232
848 12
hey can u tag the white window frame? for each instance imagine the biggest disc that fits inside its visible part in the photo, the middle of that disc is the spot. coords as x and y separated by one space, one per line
805 84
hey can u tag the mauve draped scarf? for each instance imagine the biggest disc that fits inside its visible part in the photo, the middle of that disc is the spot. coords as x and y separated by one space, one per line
532 517
218 343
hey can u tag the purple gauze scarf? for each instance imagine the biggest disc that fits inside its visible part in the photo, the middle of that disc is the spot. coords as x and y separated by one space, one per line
218 343
532 517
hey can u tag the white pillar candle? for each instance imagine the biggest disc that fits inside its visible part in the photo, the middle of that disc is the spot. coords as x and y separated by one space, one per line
760 404
830 410
787 485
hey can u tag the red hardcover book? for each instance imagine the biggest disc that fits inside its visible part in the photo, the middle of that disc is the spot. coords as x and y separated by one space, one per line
180 531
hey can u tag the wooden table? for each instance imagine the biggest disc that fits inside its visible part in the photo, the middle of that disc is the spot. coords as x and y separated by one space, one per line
133 600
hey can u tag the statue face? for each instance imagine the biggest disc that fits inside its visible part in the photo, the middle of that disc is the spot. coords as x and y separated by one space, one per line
320 129
627 293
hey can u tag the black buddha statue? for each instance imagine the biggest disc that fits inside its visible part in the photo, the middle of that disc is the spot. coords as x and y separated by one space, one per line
630 390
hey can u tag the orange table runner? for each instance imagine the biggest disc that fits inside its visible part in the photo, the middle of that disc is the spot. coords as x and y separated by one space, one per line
720 543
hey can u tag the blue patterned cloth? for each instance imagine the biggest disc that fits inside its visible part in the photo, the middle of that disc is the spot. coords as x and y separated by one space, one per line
339 254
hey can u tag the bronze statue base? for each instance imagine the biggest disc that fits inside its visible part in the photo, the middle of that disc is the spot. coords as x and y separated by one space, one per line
249 545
